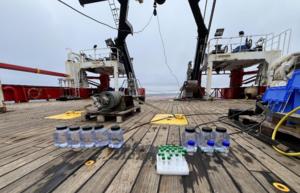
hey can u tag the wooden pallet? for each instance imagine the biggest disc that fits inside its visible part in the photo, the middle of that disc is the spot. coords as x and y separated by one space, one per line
119 116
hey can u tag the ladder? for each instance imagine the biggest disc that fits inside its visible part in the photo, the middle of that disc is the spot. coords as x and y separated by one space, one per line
114 11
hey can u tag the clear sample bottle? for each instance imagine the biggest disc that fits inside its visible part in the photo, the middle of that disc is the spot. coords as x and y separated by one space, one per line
60 136
221 135
86 137
210 147
189 139
74 137
100 135
116 139
226 145
205 134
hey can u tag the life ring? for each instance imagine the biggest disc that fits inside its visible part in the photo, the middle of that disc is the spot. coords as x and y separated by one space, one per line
34 93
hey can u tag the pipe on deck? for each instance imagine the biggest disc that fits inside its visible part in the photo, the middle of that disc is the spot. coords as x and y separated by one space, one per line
31 70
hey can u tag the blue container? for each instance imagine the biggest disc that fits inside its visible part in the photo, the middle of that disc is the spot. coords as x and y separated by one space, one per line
293 102
297 99
294 82
284 98
275 94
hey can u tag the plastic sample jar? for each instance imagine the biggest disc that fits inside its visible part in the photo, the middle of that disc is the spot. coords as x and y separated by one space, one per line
86 137
74 137
189 139
100 135
205 134
116 139
60 136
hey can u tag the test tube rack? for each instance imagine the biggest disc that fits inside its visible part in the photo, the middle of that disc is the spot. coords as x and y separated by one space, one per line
170 160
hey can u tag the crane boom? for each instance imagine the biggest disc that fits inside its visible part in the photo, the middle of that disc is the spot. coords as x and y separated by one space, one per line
202 37
124 29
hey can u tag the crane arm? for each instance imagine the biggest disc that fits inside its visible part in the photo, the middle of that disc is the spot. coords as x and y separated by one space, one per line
202 37
125 28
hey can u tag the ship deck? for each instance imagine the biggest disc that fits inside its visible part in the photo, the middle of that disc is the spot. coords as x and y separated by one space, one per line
30 163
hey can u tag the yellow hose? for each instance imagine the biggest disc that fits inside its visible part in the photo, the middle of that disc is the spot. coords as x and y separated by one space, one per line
276 129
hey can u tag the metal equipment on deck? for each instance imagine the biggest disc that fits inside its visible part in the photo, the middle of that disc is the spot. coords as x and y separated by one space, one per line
235 54
192 86
117 63
111 104
119 46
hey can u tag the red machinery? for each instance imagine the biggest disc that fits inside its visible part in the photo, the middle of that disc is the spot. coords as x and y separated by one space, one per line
236 91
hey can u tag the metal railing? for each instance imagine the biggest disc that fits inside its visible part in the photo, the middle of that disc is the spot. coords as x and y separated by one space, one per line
251 43
97 54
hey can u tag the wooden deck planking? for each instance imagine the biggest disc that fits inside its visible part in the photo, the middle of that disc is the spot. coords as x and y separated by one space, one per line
39 167
126 176
26 168
84 173
147 179
172 183
220 180
267 165
198 179
264 160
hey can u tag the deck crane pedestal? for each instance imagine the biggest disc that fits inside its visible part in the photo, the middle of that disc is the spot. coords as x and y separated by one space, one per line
119 44
192 86
123 102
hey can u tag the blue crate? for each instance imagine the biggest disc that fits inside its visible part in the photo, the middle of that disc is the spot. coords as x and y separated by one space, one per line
293 102
297 99
284 98
294 82
275 94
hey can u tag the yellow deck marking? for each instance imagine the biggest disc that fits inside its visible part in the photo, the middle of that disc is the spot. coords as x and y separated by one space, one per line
66 115
89 163
281 187
169 119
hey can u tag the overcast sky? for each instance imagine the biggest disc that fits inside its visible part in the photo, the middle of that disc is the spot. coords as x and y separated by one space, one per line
36 34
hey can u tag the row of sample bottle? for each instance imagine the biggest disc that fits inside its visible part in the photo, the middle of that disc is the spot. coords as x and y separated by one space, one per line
87 137
208 140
